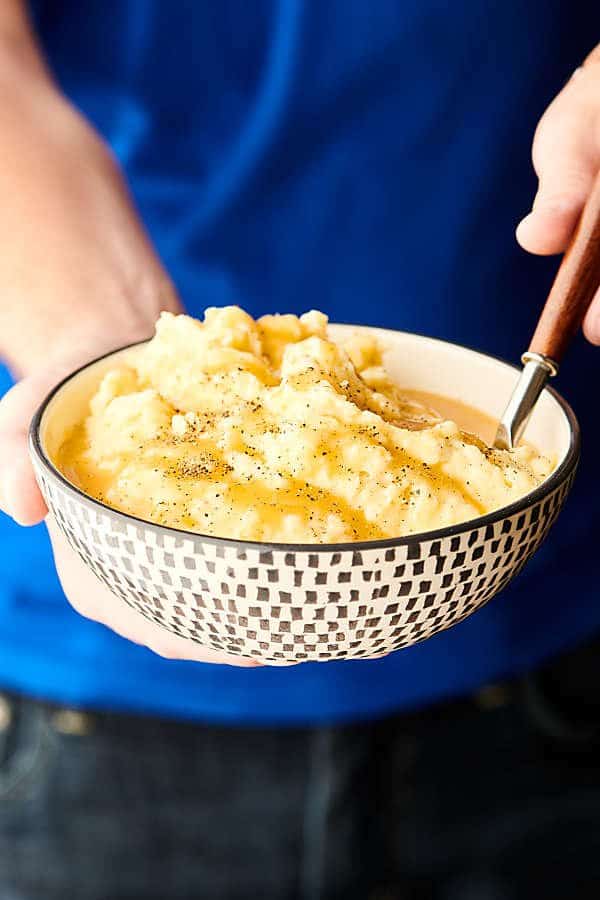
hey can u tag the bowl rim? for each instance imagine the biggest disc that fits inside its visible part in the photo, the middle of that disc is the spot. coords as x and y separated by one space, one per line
557 477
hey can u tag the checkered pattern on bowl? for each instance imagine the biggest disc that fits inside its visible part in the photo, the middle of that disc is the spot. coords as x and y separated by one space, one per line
278 603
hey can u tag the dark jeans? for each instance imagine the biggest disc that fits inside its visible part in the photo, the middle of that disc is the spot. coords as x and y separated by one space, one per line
495 797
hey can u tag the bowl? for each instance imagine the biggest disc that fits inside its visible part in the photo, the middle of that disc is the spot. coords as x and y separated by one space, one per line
298 602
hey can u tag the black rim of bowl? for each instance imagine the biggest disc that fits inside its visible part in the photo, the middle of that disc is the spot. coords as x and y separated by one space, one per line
560 474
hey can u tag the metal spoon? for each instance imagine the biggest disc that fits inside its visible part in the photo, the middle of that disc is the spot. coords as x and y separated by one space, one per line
576 282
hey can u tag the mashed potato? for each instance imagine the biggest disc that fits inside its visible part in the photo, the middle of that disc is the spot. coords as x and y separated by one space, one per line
267 430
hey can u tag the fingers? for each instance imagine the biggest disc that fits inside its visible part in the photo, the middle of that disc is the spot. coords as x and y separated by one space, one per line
93 600
591 324
20 496
547 229
19 493
566 157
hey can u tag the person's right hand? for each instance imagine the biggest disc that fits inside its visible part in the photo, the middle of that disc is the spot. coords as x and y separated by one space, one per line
566 158
79 277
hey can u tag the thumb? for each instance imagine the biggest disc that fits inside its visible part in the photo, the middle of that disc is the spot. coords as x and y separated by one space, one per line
566 159
20 496
557 206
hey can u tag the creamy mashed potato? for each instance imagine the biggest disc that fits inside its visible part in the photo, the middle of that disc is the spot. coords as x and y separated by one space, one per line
267 430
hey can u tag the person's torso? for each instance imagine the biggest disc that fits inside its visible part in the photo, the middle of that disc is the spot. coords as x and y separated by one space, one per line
370 160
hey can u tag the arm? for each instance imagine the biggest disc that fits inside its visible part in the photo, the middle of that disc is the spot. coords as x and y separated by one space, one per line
78 277
566 158
65 211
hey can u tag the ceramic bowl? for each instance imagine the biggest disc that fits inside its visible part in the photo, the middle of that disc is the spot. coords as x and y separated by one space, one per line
284 602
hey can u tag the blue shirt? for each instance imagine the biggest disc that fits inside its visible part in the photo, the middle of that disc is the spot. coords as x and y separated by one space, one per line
369 159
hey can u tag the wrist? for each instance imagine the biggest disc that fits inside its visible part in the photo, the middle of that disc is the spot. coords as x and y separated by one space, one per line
85 334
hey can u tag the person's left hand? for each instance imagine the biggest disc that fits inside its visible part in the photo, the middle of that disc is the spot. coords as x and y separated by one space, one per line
566 158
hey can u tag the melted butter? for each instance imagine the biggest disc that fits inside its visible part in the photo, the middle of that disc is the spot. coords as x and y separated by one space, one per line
468 418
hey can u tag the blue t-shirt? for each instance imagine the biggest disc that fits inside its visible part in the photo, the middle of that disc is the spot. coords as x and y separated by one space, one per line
368 159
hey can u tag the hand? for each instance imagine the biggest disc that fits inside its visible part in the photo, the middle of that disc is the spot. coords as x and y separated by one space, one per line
79 277
20 498
91 599
566 158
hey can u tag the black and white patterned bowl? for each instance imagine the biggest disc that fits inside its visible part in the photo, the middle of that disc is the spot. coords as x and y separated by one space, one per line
277 602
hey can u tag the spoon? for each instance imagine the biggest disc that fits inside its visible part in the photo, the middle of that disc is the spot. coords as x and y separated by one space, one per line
576 282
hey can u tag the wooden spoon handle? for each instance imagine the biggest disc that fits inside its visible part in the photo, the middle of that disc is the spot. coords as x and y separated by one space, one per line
576 282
